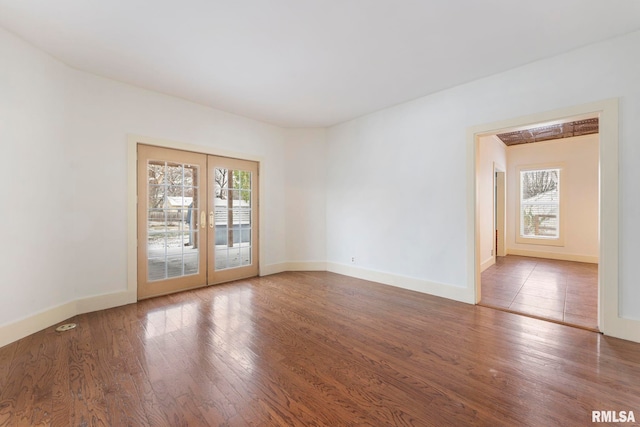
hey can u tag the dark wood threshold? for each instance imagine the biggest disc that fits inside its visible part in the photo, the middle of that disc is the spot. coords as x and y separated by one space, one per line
533 316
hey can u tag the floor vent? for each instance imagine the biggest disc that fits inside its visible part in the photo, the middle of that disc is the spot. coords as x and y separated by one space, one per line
66 327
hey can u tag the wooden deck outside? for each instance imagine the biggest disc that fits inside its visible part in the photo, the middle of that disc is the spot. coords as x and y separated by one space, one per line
314 349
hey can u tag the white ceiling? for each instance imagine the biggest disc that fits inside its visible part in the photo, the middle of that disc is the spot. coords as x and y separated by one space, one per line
307 63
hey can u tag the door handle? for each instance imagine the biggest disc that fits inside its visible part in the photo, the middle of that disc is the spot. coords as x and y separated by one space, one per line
211 219
203 219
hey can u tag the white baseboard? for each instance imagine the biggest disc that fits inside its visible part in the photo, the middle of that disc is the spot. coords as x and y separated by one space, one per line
102 302
553 255
293 266
626 329
438 289
307 266
488 263
621 328
267 270
21 328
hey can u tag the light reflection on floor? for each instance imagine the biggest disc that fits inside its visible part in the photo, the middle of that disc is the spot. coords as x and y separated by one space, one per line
232 330
170 319
226 320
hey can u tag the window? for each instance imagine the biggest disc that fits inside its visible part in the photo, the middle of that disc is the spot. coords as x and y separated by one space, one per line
539 210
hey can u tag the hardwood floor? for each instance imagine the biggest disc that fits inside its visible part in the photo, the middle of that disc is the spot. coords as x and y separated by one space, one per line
562 291
308 349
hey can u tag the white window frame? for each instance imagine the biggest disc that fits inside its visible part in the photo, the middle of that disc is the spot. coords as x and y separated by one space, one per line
540 240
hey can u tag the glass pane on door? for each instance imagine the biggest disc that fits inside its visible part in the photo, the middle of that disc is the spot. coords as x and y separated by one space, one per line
232 218
172 206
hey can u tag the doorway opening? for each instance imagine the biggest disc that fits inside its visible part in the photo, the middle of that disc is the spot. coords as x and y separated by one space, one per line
537 213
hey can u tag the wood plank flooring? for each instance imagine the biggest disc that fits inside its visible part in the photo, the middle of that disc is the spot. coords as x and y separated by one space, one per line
314 349
562 291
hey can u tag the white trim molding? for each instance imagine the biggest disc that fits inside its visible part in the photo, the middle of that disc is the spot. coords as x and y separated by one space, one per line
554 255
488 263
293 266
411 283
609 320
37 322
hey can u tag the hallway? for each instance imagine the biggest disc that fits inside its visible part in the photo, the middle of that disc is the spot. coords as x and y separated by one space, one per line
562 291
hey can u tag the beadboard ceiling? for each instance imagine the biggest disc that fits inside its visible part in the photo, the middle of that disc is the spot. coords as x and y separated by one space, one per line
552 131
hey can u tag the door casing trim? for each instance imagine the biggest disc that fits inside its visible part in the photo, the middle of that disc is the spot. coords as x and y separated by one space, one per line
610 321
132 197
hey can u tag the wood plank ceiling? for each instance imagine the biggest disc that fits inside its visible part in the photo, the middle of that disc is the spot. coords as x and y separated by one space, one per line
546 133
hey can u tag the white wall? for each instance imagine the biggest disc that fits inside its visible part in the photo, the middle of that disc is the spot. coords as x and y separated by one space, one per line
103 113
396 188
579 195
396 196
64 207
395 180
36 196
492 155
305 208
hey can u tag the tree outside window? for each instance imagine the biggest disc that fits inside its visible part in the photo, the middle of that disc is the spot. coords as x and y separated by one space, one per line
540 203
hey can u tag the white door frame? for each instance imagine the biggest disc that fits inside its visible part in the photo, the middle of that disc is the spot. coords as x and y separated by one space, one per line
609 320
500 210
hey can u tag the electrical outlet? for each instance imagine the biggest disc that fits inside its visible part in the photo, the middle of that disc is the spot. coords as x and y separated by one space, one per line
491 252
353 260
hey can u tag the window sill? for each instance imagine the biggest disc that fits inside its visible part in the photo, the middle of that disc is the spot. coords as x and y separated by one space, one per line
540 241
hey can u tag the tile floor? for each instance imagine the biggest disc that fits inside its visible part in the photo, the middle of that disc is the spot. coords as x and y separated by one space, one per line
563 291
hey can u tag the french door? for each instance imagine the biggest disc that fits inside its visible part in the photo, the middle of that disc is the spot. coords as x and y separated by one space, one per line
197 220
